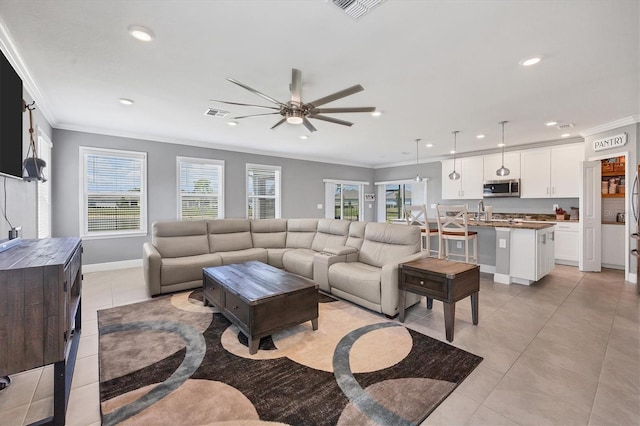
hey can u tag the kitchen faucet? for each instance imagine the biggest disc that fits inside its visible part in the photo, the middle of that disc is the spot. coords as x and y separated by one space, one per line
481 211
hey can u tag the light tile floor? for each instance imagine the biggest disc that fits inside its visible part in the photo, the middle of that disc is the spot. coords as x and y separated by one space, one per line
564 351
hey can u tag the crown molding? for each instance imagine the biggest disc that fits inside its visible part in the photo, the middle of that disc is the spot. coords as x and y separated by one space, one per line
612 125
9 49
201 144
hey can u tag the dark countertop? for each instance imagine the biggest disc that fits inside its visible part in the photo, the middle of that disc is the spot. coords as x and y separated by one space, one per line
514 224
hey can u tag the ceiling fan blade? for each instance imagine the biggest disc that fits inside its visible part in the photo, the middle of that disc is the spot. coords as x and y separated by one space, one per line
331 120
296 85
238 103
278 123
254 91
335 96
308 125
337 110
255 115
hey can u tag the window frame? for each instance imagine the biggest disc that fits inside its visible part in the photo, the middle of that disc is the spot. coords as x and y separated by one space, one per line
85 151
330 188
278 189
418 194
209 161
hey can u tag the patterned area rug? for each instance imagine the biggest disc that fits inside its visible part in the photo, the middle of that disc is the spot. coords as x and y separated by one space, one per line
172 360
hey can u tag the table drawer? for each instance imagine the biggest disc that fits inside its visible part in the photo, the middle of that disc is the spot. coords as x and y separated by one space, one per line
425 284
236 307
213 291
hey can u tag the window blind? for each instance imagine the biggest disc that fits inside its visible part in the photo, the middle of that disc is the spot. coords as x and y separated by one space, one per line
114 192
263 192
200 193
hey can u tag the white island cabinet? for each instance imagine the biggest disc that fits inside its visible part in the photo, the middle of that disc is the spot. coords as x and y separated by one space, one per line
532 253
567 244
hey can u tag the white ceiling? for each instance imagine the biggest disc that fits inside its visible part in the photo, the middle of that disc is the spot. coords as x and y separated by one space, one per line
431 67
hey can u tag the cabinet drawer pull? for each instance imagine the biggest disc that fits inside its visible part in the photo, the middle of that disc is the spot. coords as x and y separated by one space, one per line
421 282
235 307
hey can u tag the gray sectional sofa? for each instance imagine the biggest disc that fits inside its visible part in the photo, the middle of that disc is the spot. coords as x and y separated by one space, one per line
356 261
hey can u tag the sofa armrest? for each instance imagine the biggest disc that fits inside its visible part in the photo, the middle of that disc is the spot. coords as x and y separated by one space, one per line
339 250
389 283
151 263
321 263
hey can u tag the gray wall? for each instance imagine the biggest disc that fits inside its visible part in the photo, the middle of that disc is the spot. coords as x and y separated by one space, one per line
21 195
302 186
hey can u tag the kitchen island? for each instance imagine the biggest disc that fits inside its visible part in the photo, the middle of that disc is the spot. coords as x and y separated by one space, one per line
514 251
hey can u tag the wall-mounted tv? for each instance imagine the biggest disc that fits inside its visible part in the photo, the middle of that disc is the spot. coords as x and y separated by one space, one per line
11 155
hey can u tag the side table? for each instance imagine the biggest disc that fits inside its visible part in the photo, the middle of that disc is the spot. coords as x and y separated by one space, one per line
442 280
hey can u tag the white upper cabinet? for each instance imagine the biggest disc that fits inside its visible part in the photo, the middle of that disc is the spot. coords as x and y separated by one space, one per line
551 172
493 162
535 168
565 170
469 186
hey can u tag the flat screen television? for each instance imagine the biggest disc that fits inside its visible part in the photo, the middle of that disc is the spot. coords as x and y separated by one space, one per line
11 154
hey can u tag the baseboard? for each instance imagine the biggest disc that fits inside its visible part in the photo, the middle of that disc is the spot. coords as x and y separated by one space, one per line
633 278
489 269
611 266
502 278
566 262
111 266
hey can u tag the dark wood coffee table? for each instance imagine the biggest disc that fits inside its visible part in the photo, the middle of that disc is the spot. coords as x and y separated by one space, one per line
441 280
260 299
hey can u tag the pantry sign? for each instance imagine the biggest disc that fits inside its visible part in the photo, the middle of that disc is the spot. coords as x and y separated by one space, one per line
610 142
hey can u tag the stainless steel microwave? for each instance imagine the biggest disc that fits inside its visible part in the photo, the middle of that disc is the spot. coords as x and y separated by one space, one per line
501 188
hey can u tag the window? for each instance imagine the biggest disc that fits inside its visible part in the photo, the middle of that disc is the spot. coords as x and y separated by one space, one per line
394 195
344 199
43 189
113 192
263 191
200 188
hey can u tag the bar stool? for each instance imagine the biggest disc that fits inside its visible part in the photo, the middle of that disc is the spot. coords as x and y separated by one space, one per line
453 225
417 215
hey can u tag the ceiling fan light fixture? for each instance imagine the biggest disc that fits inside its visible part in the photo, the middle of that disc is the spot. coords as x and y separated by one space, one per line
295 117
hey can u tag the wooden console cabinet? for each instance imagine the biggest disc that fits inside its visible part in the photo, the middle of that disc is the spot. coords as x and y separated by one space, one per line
40 293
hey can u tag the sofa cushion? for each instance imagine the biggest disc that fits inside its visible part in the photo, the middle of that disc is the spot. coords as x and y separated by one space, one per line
331 233
180 238
187 268
299 261
239 256
300 232
269 233
384 243
358 279
275 256
229 235
356 234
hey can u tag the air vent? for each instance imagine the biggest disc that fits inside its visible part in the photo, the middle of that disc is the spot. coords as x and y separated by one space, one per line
564 126
357 8
216 112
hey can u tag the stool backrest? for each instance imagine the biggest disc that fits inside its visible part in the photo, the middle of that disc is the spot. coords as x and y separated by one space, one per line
416 215
452 218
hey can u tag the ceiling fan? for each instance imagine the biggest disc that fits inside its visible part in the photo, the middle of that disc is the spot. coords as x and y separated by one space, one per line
297 112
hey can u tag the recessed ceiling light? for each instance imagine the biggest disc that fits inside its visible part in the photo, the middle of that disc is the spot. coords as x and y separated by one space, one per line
501 145
304 137
125 101
376 113
565 135
429 145
550 123
480 136
527 62
141 33
232 123
452 152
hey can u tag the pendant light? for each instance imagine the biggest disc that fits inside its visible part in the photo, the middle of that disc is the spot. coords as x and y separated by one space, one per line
418 178
454 175
503 171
